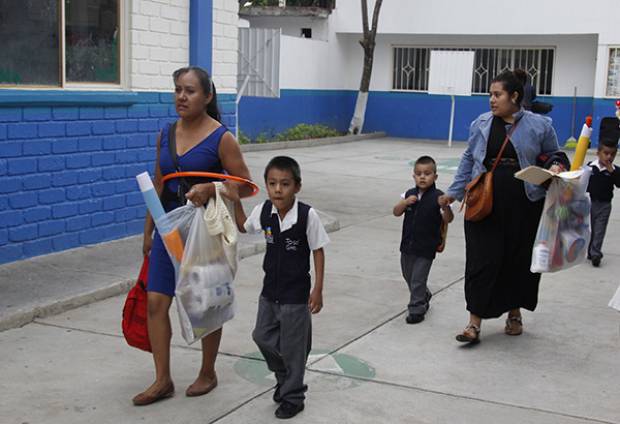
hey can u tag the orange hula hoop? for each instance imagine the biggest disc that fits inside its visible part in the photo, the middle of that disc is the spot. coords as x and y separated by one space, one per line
212 175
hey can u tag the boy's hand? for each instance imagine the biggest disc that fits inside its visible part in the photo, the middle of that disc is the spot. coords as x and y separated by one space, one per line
411 199
608 165
316 301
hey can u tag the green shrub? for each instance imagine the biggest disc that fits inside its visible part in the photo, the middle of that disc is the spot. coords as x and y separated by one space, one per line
306 131
298 132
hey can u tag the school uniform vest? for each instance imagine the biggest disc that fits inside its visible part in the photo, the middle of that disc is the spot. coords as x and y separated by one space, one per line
287 259
601 184
422 224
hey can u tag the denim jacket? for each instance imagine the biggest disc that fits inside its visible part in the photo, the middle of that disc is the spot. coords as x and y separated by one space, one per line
534 135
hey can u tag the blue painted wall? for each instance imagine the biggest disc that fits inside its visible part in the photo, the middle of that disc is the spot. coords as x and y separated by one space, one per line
67 169
412 115
268 116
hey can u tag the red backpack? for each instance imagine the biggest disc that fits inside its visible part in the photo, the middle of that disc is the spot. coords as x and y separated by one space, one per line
134 312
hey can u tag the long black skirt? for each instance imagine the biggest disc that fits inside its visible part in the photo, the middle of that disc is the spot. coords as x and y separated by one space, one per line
499 251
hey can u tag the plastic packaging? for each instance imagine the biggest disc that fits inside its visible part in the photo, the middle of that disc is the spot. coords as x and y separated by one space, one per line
564 230
204 290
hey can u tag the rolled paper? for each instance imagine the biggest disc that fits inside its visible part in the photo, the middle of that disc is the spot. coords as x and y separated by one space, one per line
582 145
152 202
174 244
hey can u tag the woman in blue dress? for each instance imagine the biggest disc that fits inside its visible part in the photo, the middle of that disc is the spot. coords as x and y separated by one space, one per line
202 144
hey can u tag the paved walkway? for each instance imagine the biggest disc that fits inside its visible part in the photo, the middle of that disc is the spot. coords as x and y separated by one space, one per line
367 366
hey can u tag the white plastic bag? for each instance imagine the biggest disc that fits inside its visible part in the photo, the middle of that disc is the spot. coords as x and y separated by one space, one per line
564 230
204 291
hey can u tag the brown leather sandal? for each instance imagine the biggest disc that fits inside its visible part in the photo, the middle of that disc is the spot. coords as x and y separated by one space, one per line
514 325
471 334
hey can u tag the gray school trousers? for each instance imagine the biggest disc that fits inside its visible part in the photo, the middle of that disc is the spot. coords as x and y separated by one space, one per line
283 333
599 216
415 270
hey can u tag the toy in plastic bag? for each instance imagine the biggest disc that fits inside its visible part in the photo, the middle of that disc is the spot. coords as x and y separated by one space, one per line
564 230
204 291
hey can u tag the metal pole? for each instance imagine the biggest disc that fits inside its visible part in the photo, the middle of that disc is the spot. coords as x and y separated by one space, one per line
574 115
237 100
451 122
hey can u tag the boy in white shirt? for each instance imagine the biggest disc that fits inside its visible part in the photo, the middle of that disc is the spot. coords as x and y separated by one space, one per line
292 230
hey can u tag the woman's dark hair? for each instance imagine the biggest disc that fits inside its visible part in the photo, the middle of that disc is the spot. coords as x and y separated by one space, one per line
285 163
207 87
511 83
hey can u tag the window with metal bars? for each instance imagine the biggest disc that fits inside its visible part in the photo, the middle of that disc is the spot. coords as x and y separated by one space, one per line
411 66
613 73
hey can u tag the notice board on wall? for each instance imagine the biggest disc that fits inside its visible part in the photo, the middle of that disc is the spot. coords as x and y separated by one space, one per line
451 72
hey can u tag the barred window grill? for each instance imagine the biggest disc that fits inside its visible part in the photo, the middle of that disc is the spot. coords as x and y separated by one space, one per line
411 66
613 73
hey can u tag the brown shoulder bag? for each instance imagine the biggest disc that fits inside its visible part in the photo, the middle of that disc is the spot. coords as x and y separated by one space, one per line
478 199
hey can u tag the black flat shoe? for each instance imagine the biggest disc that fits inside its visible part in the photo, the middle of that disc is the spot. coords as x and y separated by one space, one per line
414 318
288 410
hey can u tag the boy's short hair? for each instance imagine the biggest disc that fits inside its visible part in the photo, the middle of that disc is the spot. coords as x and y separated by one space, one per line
426 160
285 163
608 142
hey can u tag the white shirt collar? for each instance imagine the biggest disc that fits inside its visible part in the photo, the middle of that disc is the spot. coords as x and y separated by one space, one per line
290 218
597 163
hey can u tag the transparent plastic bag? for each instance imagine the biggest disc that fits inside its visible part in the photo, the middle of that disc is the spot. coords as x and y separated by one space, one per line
204 291
564 230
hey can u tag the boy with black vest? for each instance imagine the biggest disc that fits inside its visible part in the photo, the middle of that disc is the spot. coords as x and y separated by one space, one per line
421 234
292 230
605 175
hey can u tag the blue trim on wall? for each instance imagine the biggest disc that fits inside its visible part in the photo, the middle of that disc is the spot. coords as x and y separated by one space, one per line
201 33
269 116
400 114
70 98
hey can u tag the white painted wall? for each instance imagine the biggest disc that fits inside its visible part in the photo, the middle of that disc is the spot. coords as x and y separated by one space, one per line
225 45
292 26
490 17
302 63
581 40
159 33
486 17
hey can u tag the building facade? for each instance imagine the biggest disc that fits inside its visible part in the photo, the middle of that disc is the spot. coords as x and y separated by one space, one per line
81 107
573 57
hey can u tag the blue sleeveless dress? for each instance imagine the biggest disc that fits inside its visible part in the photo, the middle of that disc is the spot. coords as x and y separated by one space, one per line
202 157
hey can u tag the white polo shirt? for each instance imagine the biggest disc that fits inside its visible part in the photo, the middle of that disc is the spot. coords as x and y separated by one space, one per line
316 234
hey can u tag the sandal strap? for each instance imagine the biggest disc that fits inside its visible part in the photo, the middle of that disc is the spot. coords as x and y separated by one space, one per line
515 319
473 327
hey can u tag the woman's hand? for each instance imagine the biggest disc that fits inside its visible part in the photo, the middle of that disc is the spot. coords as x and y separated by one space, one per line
199 194
231 191
444 200
147 243
556 169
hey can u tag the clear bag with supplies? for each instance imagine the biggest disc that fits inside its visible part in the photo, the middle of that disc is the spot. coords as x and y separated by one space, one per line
564 230
204 291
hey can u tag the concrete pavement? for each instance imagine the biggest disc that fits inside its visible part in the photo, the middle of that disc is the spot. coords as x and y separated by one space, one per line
367 366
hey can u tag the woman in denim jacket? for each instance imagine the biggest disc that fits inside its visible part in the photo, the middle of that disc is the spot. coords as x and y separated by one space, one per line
499 247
